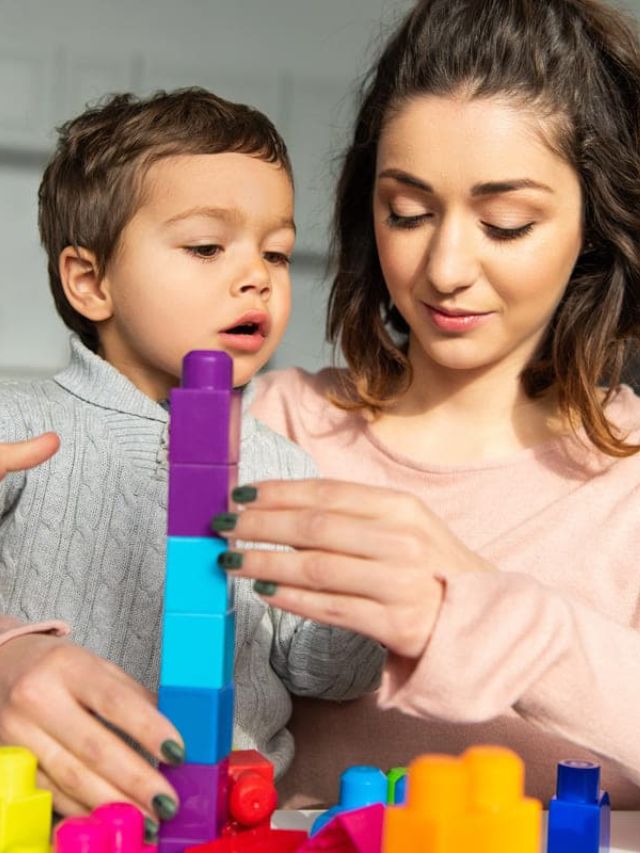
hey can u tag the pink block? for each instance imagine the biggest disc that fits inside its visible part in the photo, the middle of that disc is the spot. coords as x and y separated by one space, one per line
112 828
81 835
357 831
126 826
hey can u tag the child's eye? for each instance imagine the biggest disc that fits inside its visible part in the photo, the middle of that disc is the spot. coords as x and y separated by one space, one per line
508 233
396 221
205 252
277 258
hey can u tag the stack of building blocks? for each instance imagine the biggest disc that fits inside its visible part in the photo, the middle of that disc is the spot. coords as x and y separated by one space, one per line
579 814
455 805
198 637
25 811
112 828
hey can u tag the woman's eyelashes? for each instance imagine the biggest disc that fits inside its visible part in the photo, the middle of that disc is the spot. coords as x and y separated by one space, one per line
396 220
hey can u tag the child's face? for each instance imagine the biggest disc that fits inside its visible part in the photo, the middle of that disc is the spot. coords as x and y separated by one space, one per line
203 264
478 226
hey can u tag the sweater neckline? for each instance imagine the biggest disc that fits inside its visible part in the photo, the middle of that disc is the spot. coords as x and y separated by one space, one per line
574 446
94 380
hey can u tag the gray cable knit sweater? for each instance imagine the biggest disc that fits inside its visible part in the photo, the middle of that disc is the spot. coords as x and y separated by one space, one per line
82 538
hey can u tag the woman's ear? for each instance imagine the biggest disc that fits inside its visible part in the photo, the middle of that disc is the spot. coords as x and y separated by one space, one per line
85 288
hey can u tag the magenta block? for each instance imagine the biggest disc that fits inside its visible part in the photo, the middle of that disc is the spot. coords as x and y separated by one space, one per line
126 825
203 790
82 835
196 494
359 830
204 426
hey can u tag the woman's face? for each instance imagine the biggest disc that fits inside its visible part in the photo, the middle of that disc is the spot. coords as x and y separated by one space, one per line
478 228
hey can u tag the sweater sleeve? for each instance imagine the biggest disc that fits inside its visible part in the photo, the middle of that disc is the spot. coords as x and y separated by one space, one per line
504 640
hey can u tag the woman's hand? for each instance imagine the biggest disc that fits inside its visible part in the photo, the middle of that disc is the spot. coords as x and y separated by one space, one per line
367 559
51 694
27 454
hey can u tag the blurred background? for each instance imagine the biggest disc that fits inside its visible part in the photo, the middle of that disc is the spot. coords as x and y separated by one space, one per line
297 60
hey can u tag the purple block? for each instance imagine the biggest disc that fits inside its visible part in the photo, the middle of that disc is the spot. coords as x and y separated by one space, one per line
203 790
207 368
196 494
204 426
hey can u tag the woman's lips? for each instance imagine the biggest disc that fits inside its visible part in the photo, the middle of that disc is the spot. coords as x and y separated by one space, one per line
459 322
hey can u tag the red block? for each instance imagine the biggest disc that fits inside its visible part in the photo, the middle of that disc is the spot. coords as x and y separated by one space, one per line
259 840
252 794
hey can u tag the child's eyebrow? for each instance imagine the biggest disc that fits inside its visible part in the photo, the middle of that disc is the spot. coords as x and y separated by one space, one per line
226 214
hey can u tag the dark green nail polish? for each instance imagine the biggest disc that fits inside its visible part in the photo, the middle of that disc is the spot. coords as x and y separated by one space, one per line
172 751
164 806
230 560
150 831
265 587
224 521
244 494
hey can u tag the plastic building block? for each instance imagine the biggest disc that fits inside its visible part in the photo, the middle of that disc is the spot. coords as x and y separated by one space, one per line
252 792
356 831
455 805
196 494
256 841
25 811
194 582
579 814
396 786
204 718
203 793
112 828
359 786
197 650
205 411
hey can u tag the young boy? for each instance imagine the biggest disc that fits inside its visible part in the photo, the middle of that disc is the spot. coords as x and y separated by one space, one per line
168 225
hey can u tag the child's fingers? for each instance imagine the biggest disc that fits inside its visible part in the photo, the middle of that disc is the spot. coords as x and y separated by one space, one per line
26 454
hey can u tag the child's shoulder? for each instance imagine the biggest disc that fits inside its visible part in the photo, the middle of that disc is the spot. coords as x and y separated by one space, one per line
25 407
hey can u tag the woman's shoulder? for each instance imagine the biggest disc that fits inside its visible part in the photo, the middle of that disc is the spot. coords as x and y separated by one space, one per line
295 401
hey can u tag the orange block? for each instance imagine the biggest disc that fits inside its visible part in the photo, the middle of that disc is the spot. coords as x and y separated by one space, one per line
454 805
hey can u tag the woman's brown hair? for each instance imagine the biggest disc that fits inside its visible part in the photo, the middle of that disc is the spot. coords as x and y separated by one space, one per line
577 62
93 184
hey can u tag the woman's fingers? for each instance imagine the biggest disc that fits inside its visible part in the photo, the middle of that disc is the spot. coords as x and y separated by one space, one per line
26 454
337 496
62 803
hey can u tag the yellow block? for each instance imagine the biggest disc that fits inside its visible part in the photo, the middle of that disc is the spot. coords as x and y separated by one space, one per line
472 803
25 811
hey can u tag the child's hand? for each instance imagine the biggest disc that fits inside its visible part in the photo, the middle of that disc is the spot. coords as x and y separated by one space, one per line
50 693
27 454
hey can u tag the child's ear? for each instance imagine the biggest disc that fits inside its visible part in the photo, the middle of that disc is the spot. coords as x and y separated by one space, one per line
84 287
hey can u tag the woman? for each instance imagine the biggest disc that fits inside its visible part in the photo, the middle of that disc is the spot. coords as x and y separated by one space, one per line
485 299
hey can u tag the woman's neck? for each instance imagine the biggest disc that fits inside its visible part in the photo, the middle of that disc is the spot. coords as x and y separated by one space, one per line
457 417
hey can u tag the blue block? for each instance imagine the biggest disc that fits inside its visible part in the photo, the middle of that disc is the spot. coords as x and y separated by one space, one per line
194 581
579 814
204 718
197 650
360 786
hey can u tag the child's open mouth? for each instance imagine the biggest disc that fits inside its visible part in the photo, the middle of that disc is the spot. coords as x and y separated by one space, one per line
248 333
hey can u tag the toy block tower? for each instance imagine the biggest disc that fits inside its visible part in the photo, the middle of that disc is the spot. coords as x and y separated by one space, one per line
579 814
198 638
455 805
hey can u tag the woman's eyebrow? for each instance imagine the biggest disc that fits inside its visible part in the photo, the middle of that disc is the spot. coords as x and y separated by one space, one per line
484 189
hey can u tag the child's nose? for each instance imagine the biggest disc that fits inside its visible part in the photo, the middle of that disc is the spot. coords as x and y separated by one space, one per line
256 278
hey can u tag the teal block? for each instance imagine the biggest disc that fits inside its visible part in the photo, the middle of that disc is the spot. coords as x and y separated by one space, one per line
194 581
197 650
204 718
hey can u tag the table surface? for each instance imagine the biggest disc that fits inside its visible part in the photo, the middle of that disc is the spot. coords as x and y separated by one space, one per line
625 827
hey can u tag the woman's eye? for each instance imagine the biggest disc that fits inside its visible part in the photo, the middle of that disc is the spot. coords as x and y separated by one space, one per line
507 233
205 252
280 259
395 220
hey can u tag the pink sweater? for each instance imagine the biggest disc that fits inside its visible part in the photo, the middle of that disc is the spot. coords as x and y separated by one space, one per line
544 654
